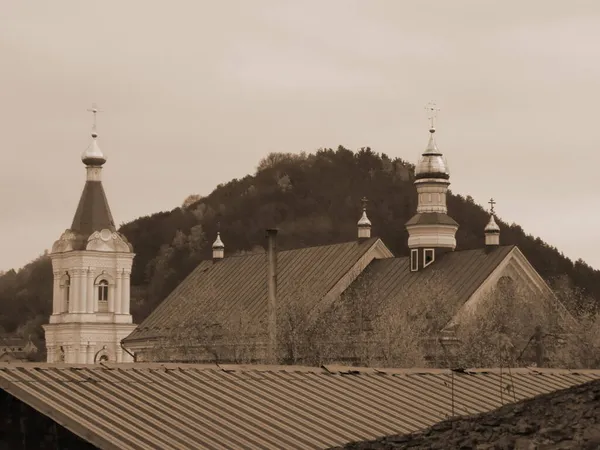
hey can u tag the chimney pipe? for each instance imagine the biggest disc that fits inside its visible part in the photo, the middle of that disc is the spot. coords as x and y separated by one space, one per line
272 294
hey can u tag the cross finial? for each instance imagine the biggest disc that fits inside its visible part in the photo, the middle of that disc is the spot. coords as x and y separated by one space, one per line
492 202
364 201
432 111
94 110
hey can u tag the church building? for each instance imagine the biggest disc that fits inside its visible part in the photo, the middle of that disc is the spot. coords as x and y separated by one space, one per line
91 263
238 291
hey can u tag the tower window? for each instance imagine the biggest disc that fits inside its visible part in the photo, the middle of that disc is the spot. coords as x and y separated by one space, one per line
103 296
428 256
103 291
414 260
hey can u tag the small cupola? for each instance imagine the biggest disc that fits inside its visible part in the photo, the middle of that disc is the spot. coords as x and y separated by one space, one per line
218 248
364 224
492 230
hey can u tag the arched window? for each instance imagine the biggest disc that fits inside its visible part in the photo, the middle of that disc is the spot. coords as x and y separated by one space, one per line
103 358
103 296
103 291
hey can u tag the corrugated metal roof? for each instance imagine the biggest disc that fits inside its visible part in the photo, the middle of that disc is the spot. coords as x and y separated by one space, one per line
168 406
238 283
455 276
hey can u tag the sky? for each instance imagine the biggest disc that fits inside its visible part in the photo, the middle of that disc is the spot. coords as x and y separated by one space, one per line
194 93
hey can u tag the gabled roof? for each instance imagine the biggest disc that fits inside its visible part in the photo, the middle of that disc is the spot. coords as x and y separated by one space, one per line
168 406
239 284
93 212
455 275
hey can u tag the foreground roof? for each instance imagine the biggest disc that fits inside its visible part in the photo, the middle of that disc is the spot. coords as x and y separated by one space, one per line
169 406
238 284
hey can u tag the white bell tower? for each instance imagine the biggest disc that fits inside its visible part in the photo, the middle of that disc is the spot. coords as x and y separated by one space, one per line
92 264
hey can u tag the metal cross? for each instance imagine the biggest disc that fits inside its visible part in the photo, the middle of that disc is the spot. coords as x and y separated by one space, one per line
432 111
492 202
94 110
364 201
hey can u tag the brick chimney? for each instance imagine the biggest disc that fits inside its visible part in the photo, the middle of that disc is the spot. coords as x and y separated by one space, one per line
272 295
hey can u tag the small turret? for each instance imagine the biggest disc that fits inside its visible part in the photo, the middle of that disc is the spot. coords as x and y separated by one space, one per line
364 224
218 248
492 230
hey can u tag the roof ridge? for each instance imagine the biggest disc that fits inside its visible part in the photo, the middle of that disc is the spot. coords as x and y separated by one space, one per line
374 238
325 369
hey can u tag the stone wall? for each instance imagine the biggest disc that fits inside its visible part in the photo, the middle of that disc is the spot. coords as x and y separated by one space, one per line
566 419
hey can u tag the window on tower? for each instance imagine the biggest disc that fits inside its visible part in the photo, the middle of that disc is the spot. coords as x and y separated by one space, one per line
103 296
414 260
428 256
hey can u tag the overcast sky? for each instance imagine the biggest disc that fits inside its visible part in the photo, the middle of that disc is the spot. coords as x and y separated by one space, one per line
195 92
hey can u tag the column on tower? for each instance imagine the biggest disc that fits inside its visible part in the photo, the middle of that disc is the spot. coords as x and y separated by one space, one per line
56 294
90 291
83 290
118 293
125 298
75 301
89 354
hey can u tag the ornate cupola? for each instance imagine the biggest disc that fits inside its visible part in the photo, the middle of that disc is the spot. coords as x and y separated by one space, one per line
492 230
218 248
364 224
92 264
431 230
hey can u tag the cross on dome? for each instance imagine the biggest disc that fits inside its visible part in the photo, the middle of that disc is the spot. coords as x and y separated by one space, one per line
492 202
364 201
432 111
94 110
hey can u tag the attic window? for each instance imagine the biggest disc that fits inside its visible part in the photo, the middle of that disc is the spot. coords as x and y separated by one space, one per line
414 260
428 256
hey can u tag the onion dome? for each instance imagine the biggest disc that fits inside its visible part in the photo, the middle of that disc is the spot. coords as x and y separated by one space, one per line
93 156
432 163
218 244
492 226
364 221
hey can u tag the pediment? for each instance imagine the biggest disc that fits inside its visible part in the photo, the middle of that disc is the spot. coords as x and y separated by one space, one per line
107 241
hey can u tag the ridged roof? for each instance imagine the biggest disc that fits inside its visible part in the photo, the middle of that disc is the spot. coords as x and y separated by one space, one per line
142 406
239 283
431 218
93 212
455 275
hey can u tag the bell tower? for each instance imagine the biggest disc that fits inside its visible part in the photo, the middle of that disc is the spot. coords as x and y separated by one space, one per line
432 232
92 264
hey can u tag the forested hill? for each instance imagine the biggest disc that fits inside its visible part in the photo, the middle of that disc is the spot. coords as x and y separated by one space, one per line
312 198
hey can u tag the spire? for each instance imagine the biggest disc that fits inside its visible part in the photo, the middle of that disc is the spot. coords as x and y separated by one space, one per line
93 212
218 247
93 156
364 224
432 163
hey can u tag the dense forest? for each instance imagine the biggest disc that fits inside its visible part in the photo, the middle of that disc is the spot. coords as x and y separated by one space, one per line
313 199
